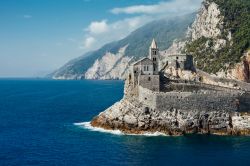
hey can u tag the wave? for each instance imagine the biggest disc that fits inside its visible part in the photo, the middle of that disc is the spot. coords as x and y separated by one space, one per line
87 125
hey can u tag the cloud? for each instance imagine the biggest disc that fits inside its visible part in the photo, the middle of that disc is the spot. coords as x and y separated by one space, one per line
97 27
174 6
101 32
27 16
95 37
88 43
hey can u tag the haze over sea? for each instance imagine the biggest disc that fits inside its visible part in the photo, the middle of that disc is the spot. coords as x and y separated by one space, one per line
37 120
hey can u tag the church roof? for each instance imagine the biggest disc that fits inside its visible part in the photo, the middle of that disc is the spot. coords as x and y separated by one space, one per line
153 44
140 60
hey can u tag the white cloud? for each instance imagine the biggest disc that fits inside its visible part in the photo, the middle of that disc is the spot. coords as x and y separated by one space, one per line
135 9
102 32
113 31
173 7
27 16
98 27
88 43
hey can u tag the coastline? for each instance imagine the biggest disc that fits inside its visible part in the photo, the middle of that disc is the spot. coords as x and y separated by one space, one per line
130 117
88 126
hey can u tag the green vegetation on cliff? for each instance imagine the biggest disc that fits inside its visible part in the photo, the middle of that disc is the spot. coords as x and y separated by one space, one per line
236 15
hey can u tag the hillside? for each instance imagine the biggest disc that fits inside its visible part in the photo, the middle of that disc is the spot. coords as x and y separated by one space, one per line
219 38
111 61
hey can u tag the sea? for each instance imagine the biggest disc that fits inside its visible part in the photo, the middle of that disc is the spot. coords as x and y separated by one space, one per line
46 123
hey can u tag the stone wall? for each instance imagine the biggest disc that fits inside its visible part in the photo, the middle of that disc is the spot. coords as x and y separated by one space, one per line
147 97
195 86
244 101
151 82
204 100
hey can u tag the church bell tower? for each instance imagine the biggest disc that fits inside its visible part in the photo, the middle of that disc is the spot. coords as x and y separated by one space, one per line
154 56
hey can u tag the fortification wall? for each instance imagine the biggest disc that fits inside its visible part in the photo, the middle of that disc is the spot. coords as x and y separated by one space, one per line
147 97
204 100
244 100
151 82
198 87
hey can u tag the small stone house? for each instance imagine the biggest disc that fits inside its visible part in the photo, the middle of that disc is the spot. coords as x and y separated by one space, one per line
180 61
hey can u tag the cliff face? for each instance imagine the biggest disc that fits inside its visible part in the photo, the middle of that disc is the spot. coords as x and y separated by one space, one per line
110 66
219 38
209 22
241 71
134 117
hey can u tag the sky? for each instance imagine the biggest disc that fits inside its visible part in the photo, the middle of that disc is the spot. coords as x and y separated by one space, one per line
39 36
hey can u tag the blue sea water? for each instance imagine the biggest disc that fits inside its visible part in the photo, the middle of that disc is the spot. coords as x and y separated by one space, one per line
37 128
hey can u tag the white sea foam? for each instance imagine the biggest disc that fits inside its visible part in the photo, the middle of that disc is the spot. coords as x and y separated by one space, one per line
88 126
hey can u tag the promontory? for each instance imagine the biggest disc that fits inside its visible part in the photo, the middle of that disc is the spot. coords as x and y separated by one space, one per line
167 94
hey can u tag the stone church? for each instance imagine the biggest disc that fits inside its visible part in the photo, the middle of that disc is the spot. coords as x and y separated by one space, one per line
145 72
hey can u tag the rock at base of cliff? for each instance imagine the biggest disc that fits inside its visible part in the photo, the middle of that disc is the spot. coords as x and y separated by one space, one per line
132 117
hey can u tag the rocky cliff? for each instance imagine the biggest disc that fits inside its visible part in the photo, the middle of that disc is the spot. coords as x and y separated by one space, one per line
209 24
134 117
240 71
220 37
110 66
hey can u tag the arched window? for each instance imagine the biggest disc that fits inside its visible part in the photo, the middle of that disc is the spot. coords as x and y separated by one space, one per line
149 79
